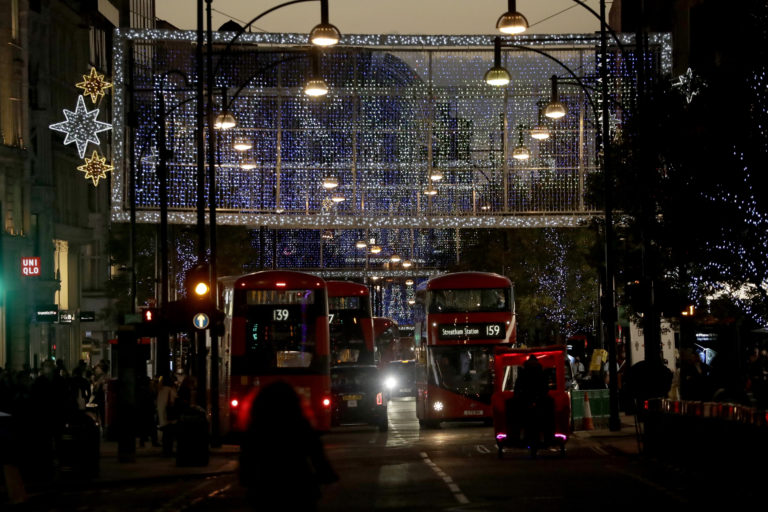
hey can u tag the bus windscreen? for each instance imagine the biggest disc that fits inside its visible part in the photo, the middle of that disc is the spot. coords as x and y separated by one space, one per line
481 300
464 370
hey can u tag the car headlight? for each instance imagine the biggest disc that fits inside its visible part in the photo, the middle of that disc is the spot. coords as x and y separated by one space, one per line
438 406
390 382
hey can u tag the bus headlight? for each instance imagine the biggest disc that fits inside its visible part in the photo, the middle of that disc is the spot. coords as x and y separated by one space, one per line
390 382
438 406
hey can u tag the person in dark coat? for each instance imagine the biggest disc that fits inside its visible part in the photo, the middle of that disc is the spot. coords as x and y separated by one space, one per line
531 407
282 459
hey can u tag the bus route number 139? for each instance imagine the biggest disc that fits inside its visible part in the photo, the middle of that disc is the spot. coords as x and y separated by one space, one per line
279 315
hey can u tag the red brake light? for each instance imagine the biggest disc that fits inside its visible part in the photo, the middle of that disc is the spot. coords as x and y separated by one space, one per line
326 402
234 403
379 399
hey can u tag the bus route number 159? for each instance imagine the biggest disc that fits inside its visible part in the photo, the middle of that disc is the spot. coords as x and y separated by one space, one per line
492 330
279 315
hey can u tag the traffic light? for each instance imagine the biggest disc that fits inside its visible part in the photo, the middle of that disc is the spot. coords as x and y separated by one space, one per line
151 322
198 283
150 315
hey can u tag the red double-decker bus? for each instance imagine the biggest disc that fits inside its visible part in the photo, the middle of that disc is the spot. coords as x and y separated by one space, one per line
351 323
467 315
276 328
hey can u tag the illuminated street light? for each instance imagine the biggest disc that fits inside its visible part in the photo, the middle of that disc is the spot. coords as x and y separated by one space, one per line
242 145
555 109
512 22
324 34
497 76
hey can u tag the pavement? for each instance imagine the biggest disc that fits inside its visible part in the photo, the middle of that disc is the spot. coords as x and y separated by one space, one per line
148 463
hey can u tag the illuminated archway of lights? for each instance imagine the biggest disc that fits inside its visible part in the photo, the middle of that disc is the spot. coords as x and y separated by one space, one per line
399 107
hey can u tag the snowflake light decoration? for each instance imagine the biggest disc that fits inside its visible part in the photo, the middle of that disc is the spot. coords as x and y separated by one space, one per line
689 84
95 168
94 85
81 126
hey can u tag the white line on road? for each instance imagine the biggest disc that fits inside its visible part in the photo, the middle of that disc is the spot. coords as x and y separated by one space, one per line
482 449
460 497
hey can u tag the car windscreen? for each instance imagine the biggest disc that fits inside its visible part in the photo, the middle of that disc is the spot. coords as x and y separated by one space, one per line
354 379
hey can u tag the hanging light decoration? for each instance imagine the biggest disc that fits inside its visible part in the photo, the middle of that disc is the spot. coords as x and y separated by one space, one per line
436 175
409 282
338 198
407 264
430 191
375 249
395 258
360 244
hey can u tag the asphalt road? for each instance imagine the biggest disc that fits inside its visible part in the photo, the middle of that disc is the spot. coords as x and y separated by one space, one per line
452 468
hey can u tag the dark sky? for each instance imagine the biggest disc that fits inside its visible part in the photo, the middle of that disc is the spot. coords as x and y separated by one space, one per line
391 16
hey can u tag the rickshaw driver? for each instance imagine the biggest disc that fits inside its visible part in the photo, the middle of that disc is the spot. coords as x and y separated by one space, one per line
531 409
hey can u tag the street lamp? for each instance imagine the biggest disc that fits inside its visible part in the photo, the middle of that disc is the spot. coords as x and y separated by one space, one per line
497 76
324 34
315 86
242 145
521 152
512 22
555 109
540 131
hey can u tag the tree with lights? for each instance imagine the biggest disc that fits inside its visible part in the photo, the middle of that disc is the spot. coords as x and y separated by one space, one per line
554 276
690 175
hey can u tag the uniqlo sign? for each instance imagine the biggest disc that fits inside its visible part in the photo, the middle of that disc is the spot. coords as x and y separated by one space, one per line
30 266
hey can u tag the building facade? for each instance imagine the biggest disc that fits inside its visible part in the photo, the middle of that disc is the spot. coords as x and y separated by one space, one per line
55 224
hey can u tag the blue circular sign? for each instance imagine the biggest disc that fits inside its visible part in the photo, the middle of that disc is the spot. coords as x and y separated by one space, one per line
201 321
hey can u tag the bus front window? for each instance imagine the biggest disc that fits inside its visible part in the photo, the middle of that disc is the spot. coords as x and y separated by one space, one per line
463 370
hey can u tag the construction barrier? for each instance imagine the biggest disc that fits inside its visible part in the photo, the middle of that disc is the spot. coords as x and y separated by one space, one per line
593 401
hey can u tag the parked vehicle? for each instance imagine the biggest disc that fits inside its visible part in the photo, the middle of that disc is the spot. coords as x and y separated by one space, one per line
357 396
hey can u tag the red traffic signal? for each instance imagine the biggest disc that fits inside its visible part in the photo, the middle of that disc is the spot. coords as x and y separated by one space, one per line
150 315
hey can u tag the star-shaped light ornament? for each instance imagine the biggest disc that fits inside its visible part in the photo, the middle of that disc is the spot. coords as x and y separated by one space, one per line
94 85
95 168
81 126
689 84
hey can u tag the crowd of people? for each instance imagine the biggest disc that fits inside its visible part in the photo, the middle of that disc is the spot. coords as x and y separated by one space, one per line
41 402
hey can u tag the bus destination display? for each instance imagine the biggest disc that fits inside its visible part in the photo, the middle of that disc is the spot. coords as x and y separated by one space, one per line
471 331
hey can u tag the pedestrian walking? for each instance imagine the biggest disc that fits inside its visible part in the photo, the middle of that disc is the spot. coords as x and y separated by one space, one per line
167 412
282 461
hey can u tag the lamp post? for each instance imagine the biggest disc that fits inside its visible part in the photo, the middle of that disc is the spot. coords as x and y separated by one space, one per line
163 348
513 22
323 34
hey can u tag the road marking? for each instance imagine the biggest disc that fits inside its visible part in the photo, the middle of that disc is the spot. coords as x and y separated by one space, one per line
482 449
457 494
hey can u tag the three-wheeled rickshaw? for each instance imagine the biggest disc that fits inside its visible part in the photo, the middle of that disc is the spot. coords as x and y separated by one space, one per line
524 423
